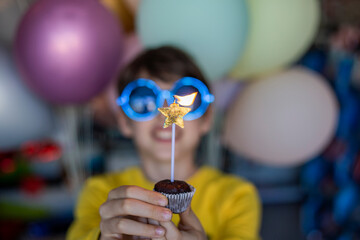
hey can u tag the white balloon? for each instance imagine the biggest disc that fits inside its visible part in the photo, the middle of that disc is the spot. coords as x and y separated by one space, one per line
284 119
23 116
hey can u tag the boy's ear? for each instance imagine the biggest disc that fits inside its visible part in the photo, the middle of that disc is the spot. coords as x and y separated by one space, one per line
207 120
123 123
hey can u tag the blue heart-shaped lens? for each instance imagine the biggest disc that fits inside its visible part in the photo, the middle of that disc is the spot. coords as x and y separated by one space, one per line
187 90
142 100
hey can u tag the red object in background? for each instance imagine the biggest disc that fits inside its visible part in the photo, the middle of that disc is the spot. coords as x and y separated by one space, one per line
335 150
7 162
356 173
7 165
32 184
6 155
11 229
42 151
328 187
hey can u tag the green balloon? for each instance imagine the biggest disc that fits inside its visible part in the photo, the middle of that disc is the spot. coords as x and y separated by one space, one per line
280 32
213 32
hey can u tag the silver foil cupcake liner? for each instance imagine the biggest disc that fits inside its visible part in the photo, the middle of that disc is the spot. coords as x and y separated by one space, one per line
179 202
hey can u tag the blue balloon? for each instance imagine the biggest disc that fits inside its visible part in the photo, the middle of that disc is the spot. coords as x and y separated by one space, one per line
23 116
312 174
309 212
343 76
315 60
343 166
346 236
213 32
345 202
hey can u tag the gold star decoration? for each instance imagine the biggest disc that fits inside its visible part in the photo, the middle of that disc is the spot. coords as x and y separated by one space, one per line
174 114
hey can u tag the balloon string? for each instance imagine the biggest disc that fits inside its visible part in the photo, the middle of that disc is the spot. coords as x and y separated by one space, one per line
77 151
71 148
88 138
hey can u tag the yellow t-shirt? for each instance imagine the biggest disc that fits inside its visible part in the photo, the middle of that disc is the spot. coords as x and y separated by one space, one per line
228 207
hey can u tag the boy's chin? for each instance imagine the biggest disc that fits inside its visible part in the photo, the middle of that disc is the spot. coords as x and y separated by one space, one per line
163 157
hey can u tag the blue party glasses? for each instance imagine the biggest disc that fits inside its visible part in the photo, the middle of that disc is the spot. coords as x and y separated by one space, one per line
141 98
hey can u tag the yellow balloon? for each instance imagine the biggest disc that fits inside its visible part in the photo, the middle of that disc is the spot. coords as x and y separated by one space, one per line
280 32
122 12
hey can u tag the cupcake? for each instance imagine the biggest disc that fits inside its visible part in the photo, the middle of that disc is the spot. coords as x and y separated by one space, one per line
179 194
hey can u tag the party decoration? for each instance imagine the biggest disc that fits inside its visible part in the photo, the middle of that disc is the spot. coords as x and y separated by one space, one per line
316 60
68 50
345 202
356 171
7 166
12 168
280 32
174 115
194 26
23 116
45 151
32 185
332 178
284 119
123 12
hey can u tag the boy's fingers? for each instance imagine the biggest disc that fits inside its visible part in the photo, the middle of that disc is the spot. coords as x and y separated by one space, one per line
119 226
161 238
156 223
153 222
133 207
111 236
143 220
138 193
188 220
172 232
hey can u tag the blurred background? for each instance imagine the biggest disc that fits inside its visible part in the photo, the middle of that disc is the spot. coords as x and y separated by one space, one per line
286 79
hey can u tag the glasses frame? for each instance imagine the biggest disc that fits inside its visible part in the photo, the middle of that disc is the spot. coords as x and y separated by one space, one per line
162 95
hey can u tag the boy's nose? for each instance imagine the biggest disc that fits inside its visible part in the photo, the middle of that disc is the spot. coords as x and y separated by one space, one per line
166 104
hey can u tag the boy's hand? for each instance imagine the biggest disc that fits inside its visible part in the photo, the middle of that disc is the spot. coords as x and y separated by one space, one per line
189 228
126 209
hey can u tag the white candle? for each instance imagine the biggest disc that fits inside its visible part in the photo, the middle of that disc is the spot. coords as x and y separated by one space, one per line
174 115
172 152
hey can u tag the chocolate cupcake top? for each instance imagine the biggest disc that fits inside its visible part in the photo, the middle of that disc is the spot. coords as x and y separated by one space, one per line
166 186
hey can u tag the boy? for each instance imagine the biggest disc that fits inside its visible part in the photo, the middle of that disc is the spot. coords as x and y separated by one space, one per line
122 205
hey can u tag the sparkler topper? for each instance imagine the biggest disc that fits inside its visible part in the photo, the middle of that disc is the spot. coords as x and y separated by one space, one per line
174 115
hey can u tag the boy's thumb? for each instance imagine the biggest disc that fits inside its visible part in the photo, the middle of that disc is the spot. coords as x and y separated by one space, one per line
188 220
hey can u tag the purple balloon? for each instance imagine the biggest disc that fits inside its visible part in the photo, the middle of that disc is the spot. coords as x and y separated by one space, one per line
68 50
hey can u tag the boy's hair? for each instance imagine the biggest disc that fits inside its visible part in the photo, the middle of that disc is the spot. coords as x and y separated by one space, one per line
161 63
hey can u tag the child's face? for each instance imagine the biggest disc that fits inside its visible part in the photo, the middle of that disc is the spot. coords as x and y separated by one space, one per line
154 142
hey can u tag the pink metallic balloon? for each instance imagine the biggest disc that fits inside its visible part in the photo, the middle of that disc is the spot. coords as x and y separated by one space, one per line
68 50
284 119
